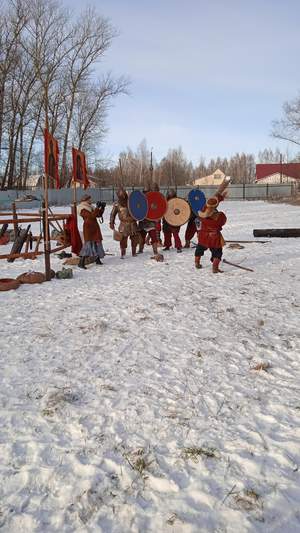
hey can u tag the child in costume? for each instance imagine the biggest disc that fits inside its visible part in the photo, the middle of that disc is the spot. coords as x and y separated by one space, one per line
209 234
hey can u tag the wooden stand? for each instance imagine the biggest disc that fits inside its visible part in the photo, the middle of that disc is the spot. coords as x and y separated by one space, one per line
13 218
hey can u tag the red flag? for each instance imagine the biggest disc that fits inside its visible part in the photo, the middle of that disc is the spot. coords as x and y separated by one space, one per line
51 157
73 233
79 167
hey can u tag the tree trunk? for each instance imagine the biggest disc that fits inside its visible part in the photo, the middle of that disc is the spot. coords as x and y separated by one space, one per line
1 113
12 162
37 124
21 160
66 140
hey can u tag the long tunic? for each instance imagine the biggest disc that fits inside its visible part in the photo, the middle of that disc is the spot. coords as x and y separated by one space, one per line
210 233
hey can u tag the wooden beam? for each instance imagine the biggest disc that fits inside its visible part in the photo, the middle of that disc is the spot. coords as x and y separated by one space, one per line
28 255
278 232
32 255
20 220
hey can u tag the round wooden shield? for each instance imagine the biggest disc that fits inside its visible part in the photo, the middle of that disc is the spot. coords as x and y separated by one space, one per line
157 205
197 200
178 212
137 205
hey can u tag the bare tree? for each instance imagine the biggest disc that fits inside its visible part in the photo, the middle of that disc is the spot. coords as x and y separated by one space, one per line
288 128
88 124
175 169
46 68
12 21
91 38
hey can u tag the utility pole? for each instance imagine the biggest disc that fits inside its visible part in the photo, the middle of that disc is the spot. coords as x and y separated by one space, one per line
280 168
121 173
151 166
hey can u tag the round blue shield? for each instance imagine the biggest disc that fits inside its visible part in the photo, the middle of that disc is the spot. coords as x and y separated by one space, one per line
137 205
196 200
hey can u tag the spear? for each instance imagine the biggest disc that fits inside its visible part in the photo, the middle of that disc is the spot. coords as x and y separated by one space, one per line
237 266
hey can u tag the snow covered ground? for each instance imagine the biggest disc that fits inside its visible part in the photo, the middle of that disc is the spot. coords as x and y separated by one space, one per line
129 399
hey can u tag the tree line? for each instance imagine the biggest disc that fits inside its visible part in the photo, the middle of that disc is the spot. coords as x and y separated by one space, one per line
134 167
47 60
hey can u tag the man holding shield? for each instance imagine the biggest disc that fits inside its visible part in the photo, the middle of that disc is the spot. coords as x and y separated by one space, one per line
128 226
170 231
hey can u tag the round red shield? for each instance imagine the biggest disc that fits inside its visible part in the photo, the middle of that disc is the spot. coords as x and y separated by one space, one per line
157 205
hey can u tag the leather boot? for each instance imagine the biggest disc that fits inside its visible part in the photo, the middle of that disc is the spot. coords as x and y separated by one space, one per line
215 266
98 261
197 262
187 244
81 263
123 253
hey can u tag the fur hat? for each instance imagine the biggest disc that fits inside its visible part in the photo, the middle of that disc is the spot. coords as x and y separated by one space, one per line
85 198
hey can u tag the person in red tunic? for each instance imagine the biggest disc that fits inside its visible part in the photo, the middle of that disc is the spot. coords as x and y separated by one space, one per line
91 231
170 231
155 188
209 235
148 231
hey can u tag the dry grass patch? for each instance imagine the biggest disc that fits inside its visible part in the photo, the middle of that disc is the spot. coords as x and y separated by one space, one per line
195 452
262 366
139 461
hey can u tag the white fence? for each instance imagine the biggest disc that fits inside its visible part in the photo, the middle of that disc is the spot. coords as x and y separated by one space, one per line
108 194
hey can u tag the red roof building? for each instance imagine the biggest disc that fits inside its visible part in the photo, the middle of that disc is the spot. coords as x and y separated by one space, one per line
264 170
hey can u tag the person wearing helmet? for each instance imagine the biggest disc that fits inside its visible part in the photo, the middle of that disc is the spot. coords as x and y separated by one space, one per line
128 226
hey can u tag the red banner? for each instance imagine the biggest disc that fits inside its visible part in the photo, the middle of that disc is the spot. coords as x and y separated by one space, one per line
51 157
79 168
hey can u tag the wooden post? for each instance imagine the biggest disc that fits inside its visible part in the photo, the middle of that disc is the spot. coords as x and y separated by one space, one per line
151 167
38 243
121 173
46 236
15 217
45 203
74 204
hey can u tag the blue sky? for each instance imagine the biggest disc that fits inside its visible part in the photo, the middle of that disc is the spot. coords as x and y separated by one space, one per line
207 75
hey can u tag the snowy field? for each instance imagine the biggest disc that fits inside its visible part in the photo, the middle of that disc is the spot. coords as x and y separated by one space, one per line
129 396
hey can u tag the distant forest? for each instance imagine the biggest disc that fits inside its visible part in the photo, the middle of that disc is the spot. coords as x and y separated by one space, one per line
175 169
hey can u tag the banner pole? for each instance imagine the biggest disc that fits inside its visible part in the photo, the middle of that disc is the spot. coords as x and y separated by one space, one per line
47 248
45 204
